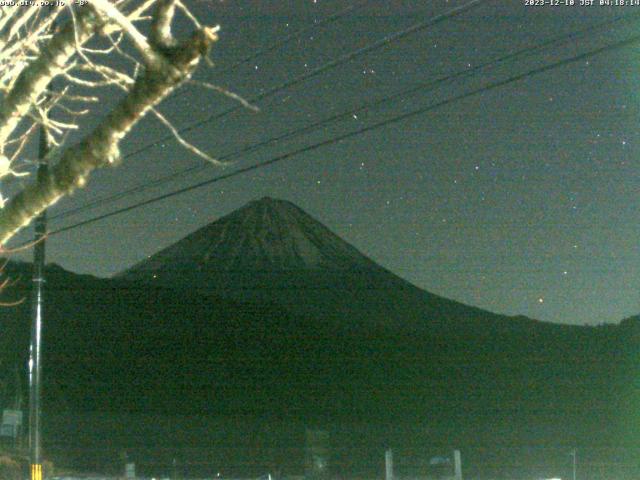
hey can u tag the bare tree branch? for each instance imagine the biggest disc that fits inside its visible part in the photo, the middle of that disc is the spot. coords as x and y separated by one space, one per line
139 41
33 80
189 146
226 93
32 54
161 35
101 147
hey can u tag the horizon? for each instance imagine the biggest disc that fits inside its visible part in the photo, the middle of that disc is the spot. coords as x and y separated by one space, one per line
266 199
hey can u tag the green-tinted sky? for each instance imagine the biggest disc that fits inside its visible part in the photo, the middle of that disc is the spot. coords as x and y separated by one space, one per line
520 200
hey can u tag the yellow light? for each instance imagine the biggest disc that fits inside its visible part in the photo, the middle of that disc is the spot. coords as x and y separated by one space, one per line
36 471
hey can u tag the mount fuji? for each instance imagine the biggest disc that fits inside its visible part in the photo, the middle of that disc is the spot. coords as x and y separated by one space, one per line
267 314
272 251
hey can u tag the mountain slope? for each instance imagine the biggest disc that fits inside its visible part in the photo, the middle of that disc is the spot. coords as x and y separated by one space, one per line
272 251
267 314
141 356
449 355
266 234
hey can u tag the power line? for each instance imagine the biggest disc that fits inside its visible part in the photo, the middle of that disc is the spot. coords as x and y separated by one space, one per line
396 119
454 12
284 41
297 34
420 88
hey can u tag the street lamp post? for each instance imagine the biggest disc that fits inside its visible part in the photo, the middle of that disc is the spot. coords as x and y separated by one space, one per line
574 455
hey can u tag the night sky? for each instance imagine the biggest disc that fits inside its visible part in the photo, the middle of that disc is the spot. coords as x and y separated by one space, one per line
519 200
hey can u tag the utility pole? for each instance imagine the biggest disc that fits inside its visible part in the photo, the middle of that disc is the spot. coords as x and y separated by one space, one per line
574 454
388 464
457 465
37 303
